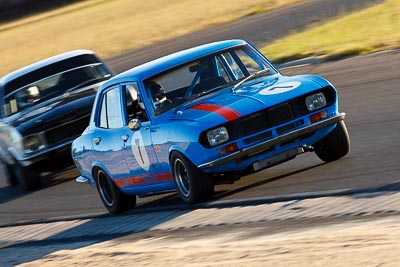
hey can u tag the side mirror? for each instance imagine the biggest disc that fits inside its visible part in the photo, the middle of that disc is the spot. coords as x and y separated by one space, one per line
134 124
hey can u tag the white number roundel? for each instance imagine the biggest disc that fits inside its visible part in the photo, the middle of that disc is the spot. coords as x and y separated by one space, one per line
280 88
139 151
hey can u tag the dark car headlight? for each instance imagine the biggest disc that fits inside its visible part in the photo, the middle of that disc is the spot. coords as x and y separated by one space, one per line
315 101
217 136
32 143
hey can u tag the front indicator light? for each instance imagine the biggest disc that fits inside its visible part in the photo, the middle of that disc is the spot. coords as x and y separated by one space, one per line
315 101
228 149
318 116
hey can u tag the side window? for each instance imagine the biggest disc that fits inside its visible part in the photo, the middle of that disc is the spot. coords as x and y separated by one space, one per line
103 113
134 106
110 113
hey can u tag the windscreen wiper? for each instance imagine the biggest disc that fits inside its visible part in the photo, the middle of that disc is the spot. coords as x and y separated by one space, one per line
250 77
210 91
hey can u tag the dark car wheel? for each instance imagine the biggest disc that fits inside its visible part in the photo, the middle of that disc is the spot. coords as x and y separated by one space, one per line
8 173
113 199
192 184
335 145
27 177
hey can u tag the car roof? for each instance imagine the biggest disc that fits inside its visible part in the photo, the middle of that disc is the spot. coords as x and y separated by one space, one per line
37 65
158 65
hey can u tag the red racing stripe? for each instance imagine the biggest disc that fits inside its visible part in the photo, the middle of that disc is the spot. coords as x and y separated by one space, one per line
120 182
142 179
164 176
228 113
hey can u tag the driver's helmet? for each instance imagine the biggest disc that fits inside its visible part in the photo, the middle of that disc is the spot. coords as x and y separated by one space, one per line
157 94
28 96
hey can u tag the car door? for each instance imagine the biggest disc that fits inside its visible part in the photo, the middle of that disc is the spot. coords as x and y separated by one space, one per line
137 145
107 136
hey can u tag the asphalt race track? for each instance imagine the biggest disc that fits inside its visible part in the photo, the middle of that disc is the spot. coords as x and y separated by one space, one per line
368 88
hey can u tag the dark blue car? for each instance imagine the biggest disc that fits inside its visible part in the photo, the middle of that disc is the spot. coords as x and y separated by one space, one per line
43 108
201 117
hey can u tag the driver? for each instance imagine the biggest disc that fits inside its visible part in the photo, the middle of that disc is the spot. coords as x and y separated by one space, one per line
158 95
28 96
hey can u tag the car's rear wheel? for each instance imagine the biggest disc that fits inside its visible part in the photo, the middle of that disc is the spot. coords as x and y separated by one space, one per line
113 199
335 145
192 184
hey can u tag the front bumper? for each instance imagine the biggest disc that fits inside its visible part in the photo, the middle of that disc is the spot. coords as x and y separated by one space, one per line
264 146
44 154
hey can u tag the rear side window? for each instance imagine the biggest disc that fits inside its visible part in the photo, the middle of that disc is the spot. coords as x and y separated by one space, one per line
110 112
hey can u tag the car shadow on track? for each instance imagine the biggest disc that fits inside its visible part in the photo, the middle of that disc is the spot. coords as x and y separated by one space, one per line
172 201
11 192
224 194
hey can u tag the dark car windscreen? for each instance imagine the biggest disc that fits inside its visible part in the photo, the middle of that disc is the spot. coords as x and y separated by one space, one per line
51 86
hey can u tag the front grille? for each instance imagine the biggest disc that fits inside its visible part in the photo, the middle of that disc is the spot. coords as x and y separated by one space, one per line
67 131
263 120
279 114
253 123
288 127
263 136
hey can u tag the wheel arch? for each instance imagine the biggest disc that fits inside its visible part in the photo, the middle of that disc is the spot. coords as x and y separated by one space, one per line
95 168
178 149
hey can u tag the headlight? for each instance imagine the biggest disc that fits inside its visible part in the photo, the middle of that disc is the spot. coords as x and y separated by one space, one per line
217 136
10 139
31 143
315 101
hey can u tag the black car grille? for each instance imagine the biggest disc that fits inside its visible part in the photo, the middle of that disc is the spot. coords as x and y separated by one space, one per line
67 131
260 121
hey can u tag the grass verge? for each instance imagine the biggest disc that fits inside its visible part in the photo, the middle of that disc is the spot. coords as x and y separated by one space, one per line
111 27
373 29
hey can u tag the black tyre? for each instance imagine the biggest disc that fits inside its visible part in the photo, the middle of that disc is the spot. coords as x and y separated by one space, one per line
113 199
27 177
8 173
192 184
335 145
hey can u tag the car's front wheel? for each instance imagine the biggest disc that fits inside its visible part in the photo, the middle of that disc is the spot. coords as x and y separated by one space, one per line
335 145
192 184
27 177
113 199
8 173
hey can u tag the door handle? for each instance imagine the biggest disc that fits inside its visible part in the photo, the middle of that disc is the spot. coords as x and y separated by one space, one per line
97 140
125 137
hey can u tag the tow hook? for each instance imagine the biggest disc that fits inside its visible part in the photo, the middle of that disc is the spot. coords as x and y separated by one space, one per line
307 148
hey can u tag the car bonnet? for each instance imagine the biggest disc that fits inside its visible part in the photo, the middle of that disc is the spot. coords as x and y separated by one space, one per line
255 95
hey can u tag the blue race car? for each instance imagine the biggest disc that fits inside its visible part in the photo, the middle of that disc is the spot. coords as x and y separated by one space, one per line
201 117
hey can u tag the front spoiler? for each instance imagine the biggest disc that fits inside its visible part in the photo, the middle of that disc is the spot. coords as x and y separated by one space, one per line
264 146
